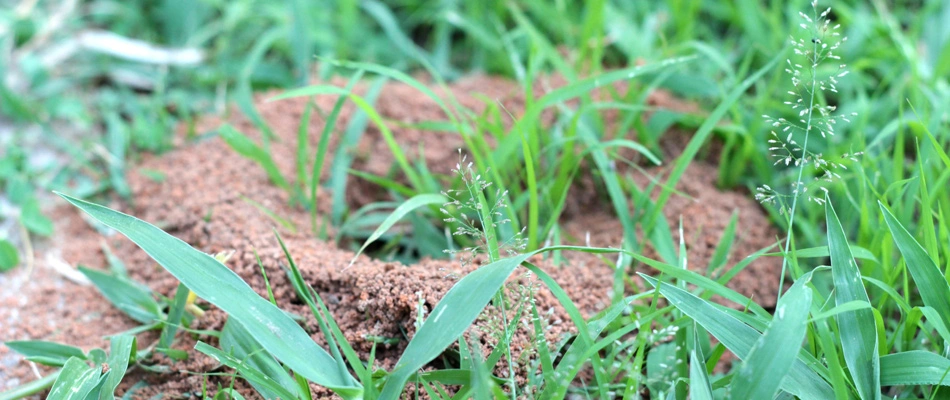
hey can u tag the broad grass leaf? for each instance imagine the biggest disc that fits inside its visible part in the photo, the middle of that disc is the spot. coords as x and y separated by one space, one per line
454 313
121 353
931 284
740 339
401 211
236 341
774 353
8 255
125 295
857 329
214 282
75 381
915 368
46 353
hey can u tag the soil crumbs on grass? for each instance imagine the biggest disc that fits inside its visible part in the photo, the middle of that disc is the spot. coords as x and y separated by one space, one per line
202 198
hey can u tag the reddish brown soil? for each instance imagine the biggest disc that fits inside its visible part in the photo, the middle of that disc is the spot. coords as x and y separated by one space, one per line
200 201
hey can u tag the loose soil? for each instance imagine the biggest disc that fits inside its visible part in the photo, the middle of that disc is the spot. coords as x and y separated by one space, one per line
201 199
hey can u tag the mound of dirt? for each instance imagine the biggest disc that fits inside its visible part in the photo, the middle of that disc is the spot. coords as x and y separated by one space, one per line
203 196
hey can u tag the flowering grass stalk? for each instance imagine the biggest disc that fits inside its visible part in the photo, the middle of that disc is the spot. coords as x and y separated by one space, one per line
818 47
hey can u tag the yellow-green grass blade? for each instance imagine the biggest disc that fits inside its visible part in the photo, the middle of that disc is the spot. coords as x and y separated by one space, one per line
915 368
857 329
774 353
931 283
401 211
211 280
75 381
740 338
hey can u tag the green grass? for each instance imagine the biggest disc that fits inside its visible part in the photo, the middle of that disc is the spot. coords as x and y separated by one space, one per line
866 315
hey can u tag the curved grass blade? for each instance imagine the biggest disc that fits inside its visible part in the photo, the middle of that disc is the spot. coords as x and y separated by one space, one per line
931 284
217 284
236 341
773 354
740 338
264 384
915 368
47 353
401 211
454 314
699 386
857 328
246 147
822 251
75 381
121 353
126 296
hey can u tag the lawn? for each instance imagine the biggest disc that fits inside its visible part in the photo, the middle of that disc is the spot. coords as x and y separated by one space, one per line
501 199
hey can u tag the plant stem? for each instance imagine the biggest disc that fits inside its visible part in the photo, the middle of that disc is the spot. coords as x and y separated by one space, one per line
798 183
30 388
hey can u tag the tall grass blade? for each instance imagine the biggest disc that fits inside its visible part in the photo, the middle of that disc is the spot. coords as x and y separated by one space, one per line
209 279
238 343
931 283
857 328
774 353
740 339
453 315
121 352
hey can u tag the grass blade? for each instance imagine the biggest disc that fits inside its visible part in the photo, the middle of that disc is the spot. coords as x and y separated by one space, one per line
236 341
46 353
931 284
740 338
915 368
465 299
857 327
774 352
245 147
126 296
217 284
122 352
258 379
75 381
401 211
